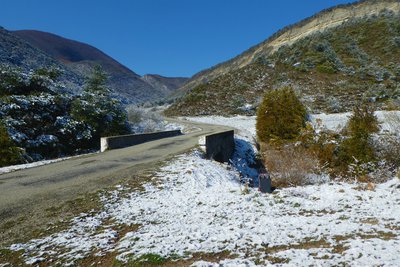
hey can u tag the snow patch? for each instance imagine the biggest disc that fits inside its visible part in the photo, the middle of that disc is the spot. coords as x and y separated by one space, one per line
35 164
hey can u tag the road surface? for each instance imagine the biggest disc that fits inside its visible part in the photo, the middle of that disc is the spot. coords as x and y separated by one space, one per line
49 185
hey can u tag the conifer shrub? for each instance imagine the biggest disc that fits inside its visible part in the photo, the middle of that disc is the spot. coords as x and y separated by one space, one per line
102 113
9 153
47 123
280 116
357 147
281 124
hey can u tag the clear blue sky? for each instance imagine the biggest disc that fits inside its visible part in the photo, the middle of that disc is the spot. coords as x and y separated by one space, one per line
167 37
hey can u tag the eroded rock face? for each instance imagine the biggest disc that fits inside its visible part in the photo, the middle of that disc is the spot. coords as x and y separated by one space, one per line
330 19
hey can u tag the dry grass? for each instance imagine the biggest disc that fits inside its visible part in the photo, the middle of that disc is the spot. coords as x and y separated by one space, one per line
12 258
388 145
306 244
290 165
40 223
53 219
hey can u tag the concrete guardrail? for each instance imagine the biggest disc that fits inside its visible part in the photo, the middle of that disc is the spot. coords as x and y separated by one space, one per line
121 141
220 146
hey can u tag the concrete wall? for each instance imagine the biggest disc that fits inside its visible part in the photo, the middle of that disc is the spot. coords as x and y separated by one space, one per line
220 146
121 141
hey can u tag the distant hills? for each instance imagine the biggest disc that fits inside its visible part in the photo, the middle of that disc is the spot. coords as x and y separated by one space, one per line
332 59
30 49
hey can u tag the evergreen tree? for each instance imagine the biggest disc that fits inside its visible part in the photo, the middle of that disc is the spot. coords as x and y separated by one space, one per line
280 116
96 84
362 124
103 114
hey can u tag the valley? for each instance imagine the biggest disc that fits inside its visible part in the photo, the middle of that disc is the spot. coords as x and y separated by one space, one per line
307 123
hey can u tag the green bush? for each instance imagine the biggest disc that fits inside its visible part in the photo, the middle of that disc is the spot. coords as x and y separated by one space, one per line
280 116
9 153
357 147
326 68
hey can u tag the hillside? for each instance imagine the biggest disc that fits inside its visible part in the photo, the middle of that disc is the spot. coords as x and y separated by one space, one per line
32 49
332 59
17 53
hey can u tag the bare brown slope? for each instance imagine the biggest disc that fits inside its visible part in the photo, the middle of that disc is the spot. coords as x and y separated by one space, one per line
16 52
69 51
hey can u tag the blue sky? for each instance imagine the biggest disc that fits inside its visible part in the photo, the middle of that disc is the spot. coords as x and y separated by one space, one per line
167 37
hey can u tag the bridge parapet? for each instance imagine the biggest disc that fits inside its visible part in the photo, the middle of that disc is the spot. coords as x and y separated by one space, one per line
220 146
121 141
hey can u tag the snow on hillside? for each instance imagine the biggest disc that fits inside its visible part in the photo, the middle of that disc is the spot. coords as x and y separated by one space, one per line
196 205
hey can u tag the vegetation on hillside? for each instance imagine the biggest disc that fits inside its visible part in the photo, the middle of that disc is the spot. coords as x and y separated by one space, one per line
10 154
331 71
360 152
46 124
358 145
104 115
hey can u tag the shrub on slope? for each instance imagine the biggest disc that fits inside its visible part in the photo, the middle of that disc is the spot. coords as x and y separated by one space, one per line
280 116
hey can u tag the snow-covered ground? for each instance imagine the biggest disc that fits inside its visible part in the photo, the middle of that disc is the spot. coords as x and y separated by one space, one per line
197 205
389 121
245 124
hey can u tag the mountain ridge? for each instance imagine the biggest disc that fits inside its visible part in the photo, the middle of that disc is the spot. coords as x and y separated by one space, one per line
77 59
